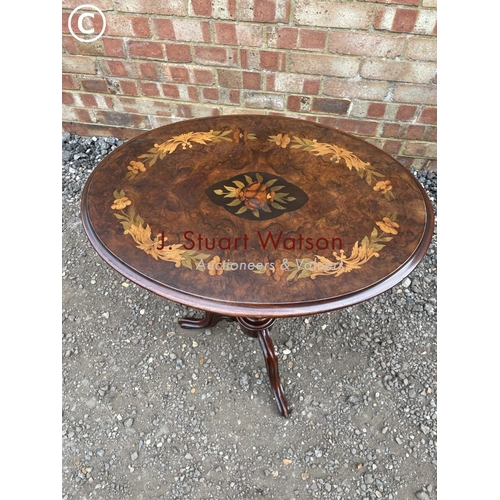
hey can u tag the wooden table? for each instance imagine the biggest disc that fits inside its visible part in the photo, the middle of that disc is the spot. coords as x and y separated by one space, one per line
251 218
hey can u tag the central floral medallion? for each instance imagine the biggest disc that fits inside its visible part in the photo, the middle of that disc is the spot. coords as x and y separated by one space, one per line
257 196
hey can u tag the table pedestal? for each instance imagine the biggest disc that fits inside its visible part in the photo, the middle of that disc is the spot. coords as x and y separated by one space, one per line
257 328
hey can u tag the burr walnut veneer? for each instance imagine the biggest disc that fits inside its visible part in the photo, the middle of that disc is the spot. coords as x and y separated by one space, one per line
252 218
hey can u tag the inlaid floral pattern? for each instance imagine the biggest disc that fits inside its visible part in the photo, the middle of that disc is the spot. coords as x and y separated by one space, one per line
364 169
185 141
157 247
360 254
256 195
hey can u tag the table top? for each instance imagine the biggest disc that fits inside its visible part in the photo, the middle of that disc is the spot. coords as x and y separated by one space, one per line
257 216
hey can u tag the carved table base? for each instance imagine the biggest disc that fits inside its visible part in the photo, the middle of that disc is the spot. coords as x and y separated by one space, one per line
256 328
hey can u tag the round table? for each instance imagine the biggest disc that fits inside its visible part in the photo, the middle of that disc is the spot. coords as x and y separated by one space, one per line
252 217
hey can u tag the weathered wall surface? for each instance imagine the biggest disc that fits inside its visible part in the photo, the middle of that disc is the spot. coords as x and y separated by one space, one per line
364 67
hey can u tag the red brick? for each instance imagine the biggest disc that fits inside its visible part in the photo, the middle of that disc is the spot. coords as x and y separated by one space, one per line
311 86
430 134
230 78
178 74
177 52
312 39
392 147
272 61
145 50
149 89
210 94
74 46
193 94
170 91
225 33
404 20
406 162
69 82
95 85
270 81
89 130
234 96
361 127
211 54
117 68
203 76
428 115
128 104
415 132
113 47
392 130
65 19
376 110
244 58
284 38
416 148
336 106
406 112
75 114
293 103
128 87
215 55
262 60
251 80
383 18
83 115
149 71
264 10
140 26
184 111
202 8
160 108
164 29
89 100
68 99
95 23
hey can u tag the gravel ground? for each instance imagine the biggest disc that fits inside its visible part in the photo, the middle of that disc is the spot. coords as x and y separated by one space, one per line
151 411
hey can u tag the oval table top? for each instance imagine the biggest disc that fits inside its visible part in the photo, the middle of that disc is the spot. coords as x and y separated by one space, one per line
257 216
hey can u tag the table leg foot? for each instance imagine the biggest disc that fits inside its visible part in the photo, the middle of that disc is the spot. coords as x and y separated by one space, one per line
210 319
259 328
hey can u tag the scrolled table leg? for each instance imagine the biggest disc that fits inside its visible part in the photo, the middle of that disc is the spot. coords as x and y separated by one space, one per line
210 319
259 328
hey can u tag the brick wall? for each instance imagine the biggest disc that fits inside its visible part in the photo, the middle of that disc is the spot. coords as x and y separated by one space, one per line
367 67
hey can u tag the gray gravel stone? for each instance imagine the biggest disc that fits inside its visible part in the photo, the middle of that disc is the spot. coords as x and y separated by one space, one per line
137 364
422 495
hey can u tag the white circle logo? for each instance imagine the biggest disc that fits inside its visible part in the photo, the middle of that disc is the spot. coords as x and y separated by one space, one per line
81 18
